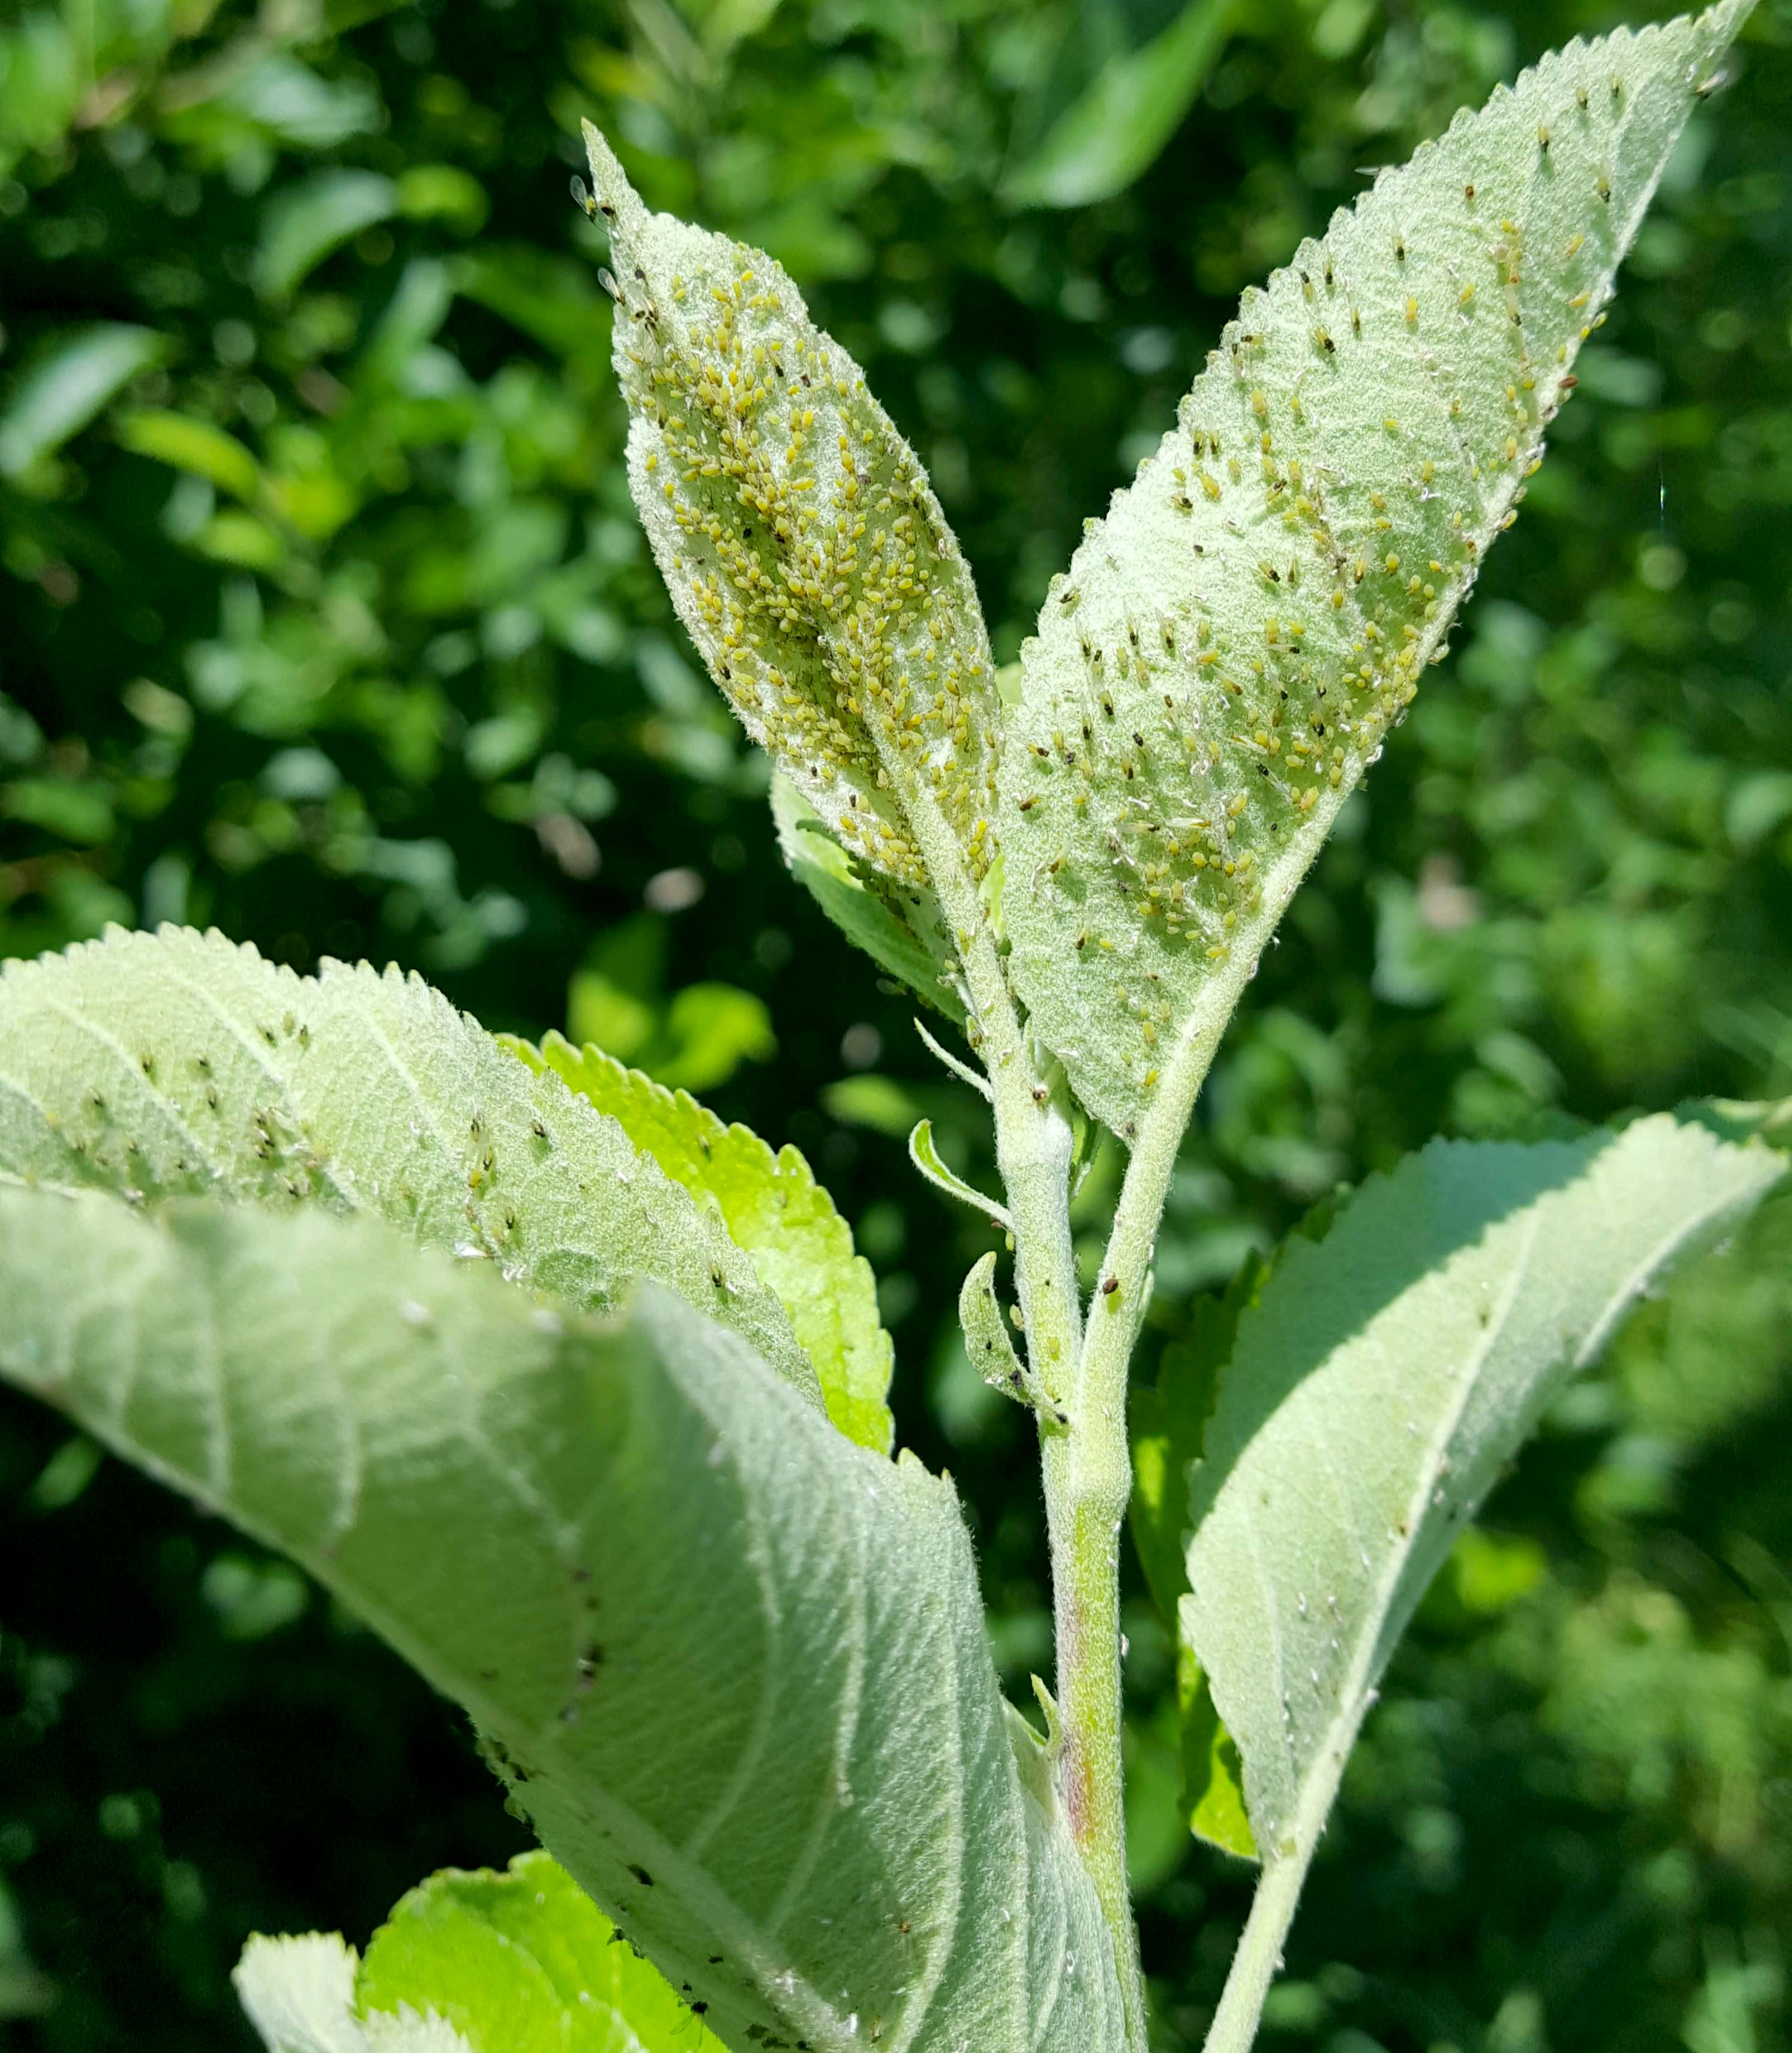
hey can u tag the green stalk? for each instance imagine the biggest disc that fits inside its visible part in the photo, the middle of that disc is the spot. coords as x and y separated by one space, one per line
1087 1471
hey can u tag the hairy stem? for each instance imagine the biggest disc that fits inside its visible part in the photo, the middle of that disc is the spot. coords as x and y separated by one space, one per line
1259 1957
1087 1473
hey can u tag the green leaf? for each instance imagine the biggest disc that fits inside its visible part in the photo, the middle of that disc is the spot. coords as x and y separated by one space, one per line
550 297
300 1996
522 1962
1386 1374
443 192
803 548
1213 1799
1234 641
64 392
772 1206
1169 1424
1116 132
927 1158
710 1029
178 1064
195 445
303 223
901 930
731 1667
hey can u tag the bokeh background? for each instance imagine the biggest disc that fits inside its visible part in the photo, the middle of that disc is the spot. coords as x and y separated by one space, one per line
326 621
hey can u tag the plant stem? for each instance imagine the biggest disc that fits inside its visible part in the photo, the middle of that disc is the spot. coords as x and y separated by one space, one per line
1259 1957
1087 1471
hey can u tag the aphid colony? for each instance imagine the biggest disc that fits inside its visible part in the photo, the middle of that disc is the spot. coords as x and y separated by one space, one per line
811 562
1232 644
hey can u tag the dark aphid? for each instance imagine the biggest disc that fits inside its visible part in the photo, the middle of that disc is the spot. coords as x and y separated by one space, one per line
1325 342
1468 194
1400 248
1580 97
581 199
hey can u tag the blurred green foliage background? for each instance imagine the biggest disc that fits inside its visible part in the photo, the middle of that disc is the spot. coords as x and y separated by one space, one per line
327 620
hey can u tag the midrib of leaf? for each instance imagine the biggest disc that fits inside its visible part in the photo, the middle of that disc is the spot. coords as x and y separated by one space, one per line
1130 1004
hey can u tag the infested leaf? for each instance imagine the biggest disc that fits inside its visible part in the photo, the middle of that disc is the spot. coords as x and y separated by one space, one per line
772 1206
732 1667
803 547
1233 643
1385 1376
178 1064
901 930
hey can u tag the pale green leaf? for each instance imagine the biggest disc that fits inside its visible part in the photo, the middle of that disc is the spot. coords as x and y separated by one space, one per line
179 1064
58 398
300 1996
522 1962
1116 132
732 1666
1234 642
195 445
900 929
925 1155
772 1206
989 1347
803 548
303 223
1384 1376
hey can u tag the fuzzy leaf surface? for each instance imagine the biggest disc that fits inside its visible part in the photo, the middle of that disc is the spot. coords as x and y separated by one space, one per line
180 1065
731 1667
521 1962
300 1996
801 543
1380 1383
1233 643
772 1206
905 938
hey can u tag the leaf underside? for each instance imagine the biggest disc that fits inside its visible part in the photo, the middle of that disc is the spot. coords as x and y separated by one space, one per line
181 1065
1233 643
1378 1385
772 1205
802 546
904 933
732 1668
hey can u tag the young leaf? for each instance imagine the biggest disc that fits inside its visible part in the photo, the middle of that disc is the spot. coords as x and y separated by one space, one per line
1234 642
522 1962
300 1996
901 930
772 1206
731 1667
800 542
1386 1375
180 1064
